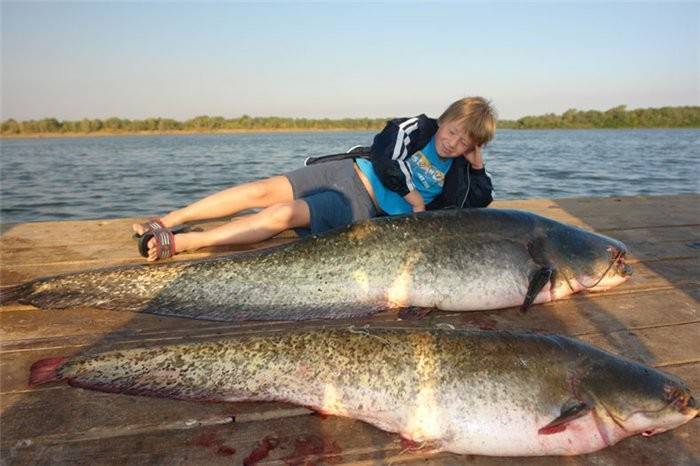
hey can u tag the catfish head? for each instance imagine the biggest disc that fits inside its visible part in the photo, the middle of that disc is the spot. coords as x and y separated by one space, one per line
631 398
582 260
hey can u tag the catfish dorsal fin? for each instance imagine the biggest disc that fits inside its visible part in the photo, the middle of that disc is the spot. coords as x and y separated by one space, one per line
572 409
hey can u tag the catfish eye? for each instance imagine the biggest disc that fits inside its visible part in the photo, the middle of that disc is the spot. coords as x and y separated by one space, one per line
672 393
680 399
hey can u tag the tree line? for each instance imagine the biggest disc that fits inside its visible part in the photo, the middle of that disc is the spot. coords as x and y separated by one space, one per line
197 124
616 117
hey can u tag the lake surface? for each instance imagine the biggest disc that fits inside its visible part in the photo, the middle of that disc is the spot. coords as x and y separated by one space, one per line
109 177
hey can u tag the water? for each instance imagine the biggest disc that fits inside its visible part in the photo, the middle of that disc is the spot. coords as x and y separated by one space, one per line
110 177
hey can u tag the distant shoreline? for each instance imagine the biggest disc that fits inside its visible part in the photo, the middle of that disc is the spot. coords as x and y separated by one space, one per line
99 134
615 118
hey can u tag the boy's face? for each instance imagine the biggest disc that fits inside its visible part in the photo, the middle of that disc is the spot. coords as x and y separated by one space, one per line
452 140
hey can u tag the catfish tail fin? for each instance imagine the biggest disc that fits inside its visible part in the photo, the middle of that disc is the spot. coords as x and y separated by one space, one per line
45 371
11 294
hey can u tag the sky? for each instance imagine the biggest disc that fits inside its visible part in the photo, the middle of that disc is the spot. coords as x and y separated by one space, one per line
334 59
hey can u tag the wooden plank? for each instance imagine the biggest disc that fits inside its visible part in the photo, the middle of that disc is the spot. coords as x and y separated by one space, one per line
81 415
95 239
39 249
602 214
108 251
672 345
633 212
651 251
292 440
662 234
665 273
582 314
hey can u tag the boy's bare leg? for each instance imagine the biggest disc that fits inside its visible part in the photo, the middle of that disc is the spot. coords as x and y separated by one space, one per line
263 193
244 230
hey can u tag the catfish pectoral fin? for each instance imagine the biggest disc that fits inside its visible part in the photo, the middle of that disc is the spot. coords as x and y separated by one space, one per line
572 409
539 279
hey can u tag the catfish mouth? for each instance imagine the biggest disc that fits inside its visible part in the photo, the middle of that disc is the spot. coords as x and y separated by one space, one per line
684 405
680 402
651 432
616 272
618 264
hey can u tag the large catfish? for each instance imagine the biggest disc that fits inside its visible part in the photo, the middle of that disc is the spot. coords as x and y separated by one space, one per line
488 393
458 260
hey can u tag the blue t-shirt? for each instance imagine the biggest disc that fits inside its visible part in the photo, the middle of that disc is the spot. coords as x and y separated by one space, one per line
427 170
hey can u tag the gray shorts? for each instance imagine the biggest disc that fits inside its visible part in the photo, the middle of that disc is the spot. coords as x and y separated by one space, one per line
334 193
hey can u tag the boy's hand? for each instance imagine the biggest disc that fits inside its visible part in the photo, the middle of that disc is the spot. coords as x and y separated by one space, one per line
474 157
416 200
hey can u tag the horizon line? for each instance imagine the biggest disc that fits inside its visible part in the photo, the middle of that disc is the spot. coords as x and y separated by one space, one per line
245 115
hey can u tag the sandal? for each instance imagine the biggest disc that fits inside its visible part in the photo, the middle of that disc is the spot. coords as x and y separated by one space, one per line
156 224
152 224
169 233
165 242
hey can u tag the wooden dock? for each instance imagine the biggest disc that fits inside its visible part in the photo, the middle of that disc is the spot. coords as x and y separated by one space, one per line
652 318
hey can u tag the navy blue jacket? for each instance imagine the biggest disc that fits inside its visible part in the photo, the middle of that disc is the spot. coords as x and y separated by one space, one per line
400 139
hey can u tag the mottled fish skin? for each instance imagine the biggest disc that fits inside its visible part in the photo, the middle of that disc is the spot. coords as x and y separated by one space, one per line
491 393
452 260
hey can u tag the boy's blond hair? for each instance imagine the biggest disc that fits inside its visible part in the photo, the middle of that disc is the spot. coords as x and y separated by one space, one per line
476 114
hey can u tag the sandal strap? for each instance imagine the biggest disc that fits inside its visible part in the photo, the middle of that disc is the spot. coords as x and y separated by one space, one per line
153 224
165 243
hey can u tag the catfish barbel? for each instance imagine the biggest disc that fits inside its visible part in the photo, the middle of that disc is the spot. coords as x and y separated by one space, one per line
487 393
457 260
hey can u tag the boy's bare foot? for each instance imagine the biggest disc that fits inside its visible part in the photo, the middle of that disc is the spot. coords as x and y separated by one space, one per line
182 242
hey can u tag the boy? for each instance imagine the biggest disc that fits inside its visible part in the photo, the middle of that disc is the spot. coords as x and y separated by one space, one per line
416 164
